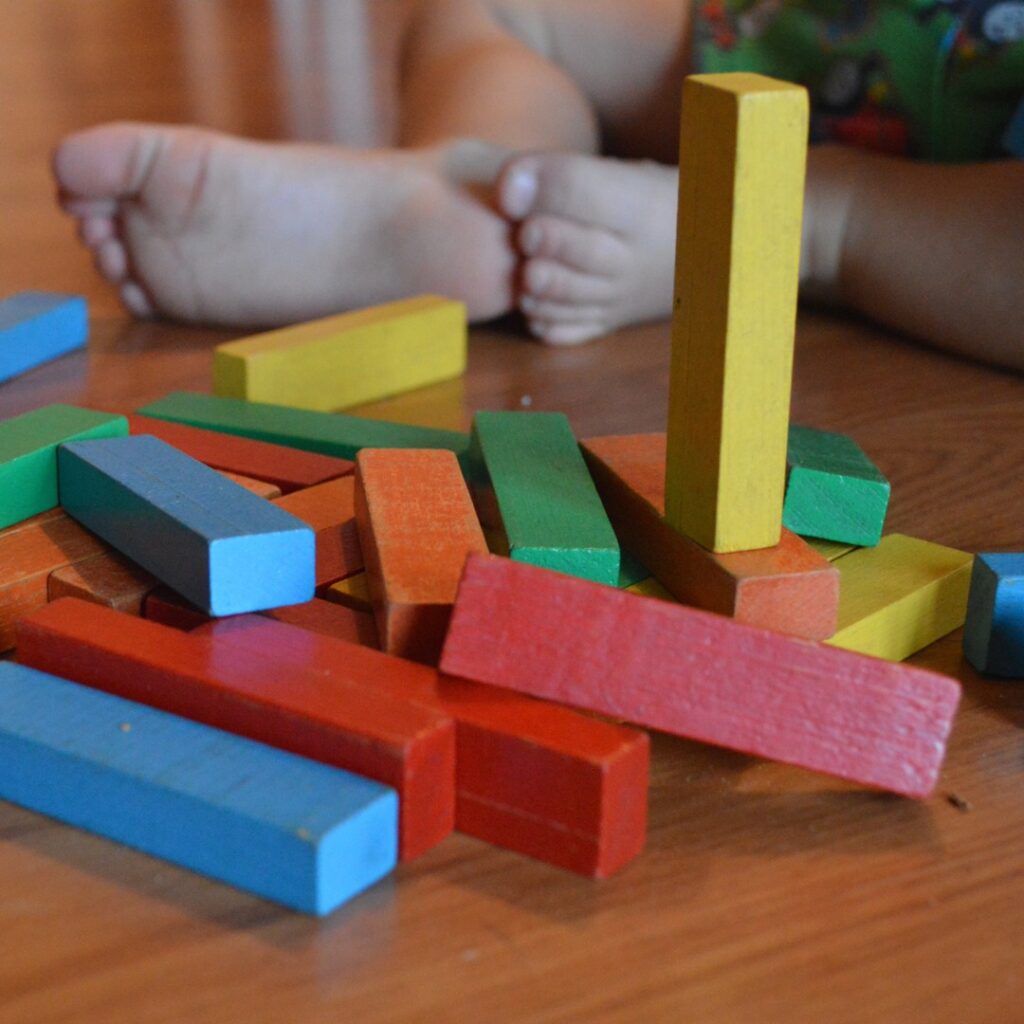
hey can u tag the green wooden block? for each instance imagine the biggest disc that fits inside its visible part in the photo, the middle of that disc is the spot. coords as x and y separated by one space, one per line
833 491
631 571
549 506
329 433
28 454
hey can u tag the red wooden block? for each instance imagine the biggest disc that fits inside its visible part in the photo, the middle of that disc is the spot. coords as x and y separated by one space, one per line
403 745
700 675
790 587
105 578
29 552
167 608
288 468
331 619
330 509
531 777
416 526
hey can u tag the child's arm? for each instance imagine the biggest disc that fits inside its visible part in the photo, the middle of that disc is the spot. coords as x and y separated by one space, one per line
934 250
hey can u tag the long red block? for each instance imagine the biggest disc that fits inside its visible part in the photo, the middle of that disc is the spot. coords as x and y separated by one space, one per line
789 588
416 524
700 675
531 777
404 745
331 619
29 552
330 509
288 468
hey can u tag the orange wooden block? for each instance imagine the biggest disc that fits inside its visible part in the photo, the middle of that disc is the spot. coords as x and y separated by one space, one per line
29 552
288 468
258 487
330 509
417 524
163 605
789 588
106 578
330 619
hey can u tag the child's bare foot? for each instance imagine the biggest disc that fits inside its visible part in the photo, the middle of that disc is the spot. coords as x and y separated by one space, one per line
207 227
598 240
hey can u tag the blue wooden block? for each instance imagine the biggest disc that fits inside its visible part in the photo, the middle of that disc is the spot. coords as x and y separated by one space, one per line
221 547
295 831
994 631
1013 140
36 327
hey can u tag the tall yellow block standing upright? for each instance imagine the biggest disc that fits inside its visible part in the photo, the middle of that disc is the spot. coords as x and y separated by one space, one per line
742 162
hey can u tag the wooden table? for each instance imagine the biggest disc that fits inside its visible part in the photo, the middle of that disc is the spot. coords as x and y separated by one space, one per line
766 894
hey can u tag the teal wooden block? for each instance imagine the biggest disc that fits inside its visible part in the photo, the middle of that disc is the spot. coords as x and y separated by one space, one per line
295 831
218 545
36 327
549 507
631 571
833 491
329 433
994 630
28 454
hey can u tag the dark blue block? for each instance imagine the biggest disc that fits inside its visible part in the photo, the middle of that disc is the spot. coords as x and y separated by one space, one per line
221 547
36 327
994 630
1013 140
296 831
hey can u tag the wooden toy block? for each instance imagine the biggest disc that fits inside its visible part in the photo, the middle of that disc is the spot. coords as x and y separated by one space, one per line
288 468
29 552
497 542
833 490
437 405
742 156
291 830
258 487
331 619
219 546
1013 140
106 578
900 596
329 509
530 776
163 605
630 571
994 631
550 511
344 360
416 525
789 588
353 592
700 675
36 327
650 587
250 693
332 434
28 455
830 550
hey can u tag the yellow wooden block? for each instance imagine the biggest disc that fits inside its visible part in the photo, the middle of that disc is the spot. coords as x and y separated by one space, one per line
830 549
650 587
743 154
348 359
353 592
901 596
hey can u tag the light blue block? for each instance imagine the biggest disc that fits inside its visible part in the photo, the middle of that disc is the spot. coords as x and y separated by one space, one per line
994 630
1013 140
36 327
221 547
295 831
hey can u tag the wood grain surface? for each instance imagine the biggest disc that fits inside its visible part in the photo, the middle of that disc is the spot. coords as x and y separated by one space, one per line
765 894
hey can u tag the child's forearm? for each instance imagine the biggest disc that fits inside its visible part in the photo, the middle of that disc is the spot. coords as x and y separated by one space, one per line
934 250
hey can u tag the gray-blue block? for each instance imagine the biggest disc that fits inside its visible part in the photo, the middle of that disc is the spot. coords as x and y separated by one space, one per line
215 543
295 831
36 327
1013 140
994 630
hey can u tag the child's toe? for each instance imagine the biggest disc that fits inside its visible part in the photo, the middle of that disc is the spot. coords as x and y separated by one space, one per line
548 280
136 301
112 260
94 231
589 249
566 334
